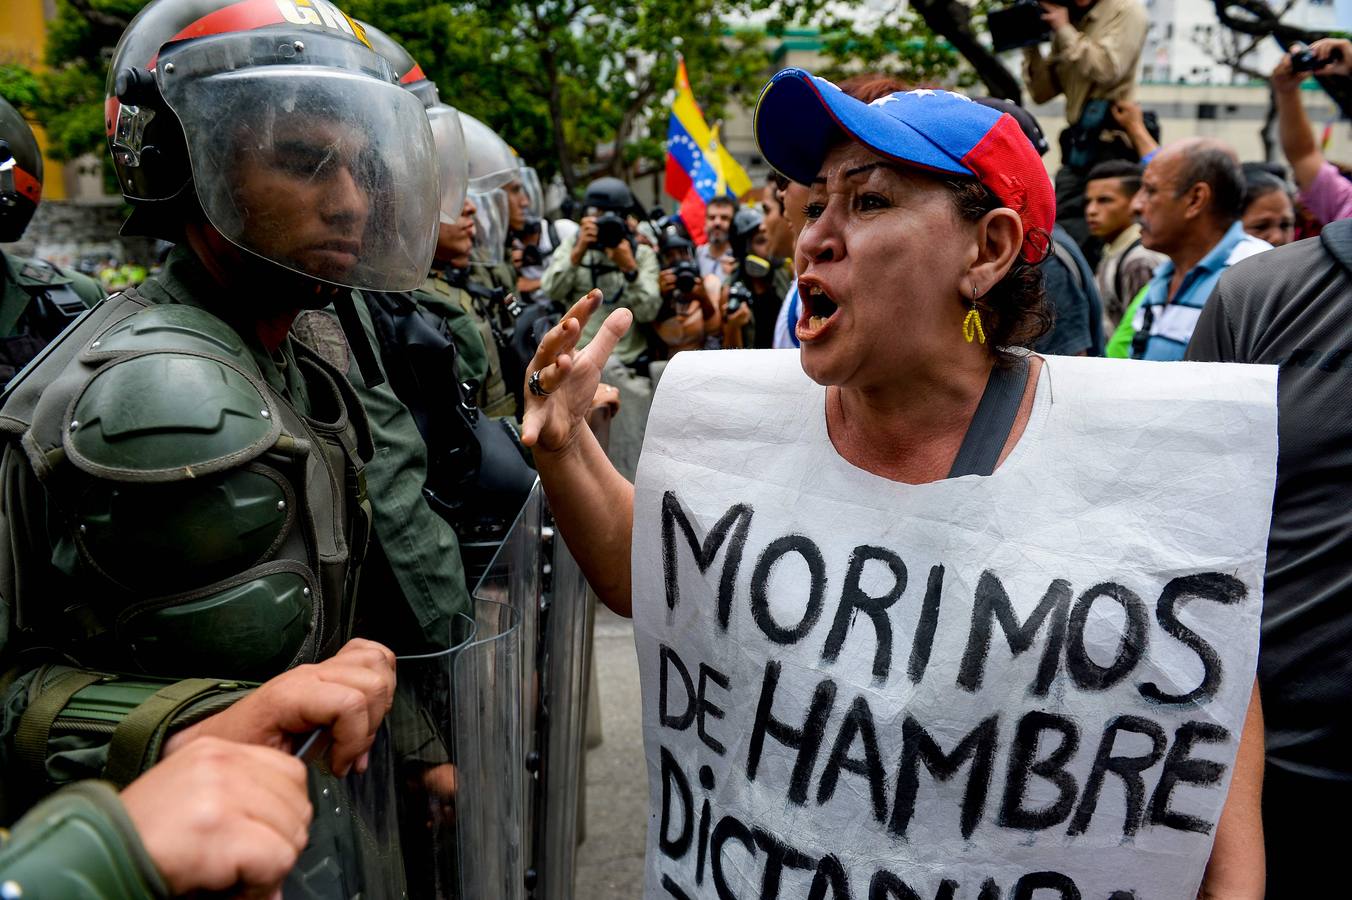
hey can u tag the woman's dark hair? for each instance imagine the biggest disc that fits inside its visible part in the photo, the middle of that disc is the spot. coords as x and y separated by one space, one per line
1015 311
1259 184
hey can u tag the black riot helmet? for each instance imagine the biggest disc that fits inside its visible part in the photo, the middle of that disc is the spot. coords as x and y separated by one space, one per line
609 195
745 223
410 74
20 173
673 235
279 124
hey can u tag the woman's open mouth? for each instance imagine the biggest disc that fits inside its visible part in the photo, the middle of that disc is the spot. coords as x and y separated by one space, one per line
818 309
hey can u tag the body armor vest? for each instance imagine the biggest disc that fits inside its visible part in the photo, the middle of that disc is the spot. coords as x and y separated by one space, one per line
203 524
50 308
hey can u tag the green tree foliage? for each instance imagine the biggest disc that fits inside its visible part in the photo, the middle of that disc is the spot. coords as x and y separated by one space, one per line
915 41
67 96
561 78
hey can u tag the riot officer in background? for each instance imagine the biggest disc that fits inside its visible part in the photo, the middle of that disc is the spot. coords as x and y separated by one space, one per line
184 505
37 299
760 282
477 475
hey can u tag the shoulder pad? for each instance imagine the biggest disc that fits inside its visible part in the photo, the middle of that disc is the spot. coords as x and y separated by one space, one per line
173 326
37 272
169 415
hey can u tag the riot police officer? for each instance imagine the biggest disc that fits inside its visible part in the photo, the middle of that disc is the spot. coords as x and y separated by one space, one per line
184 484
760 281
37 298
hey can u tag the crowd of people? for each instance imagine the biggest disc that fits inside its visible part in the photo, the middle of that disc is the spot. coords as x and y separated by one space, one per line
237 491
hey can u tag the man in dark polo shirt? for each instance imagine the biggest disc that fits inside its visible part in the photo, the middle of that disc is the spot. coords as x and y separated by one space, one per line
1293 308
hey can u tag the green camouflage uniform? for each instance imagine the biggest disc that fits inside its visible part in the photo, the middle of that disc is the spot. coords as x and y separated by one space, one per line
446 294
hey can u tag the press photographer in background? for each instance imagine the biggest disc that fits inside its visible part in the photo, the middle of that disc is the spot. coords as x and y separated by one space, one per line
606 254
1095 48
688 314
759 283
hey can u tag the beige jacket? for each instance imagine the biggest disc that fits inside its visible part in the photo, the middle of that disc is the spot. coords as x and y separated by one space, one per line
1094 58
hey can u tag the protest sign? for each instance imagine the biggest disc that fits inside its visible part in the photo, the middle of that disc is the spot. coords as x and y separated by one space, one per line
1029 685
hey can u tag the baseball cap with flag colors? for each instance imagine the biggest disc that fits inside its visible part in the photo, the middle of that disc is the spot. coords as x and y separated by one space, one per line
799 117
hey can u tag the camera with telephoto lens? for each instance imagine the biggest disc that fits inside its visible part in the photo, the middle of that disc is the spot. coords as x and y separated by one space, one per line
738 294
687 276
1304 60
611 230
1020 24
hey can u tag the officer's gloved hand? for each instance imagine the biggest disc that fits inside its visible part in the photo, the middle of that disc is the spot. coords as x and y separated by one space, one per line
220 816
348 695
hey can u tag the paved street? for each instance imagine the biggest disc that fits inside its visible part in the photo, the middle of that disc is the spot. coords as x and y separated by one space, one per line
610 865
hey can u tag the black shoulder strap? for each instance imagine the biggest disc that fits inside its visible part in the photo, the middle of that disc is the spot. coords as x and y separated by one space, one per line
1337 240
994 420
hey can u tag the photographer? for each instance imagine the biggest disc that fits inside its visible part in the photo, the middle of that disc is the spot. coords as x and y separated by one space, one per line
1323 190
1095 48
758 284
688 314
605 254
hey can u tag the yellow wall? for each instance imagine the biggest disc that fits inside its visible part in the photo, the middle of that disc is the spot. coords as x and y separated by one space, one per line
23 32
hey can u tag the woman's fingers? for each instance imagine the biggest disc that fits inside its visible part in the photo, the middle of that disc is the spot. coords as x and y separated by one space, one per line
612 329
562 338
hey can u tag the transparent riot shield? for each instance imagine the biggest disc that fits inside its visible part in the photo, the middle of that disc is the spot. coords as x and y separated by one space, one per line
564 665
364 840
534 574
456 736
355 846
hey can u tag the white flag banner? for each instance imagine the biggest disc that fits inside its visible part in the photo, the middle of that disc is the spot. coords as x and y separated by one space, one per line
1029 685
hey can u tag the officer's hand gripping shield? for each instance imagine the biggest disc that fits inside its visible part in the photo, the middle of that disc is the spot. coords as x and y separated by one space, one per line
439 811
306 153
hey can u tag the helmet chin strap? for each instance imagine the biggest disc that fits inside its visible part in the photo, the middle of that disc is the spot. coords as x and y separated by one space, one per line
286 293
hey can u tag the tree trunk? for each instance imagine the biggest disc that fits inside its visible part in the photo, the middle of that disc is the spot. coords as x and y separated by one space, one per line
565 156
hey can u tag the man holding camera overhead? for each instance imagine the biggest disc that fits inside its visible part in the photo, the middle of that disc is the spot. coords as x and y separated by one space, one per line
1095 48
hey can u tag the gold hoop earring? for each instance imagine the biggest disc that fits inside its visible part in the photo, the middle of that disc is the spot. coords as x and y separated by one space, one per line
971 326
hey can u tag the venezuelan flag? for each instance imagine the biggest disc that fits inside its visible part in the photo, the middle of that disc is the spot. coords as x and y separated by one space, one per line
699 167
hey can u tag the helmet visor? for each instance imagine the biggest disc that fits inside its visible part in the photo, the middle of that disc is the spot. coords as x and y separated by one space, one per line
490 226
303 155
452 161
491 161
530 180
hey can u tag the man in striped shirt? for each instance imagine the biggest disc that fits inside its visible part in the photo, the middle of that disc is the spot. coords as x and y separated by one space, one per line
1189 204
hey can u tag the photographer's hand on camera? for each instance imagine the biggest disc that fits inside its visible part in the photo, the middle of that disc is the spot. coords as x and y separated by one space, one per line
586 236
1055 15
622 255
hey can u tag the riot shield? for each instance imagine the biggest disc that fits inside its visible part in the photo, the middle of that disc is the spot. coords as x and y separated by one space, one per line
456 736
534 574
354 848
564 666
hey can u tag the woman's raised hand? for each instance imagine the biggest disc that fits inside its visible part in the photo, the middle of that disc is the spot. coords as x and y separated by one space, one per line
567 379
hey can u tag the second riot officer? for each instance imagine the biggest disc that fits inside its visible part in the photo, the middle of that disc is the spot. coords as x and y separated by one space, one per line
37 299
